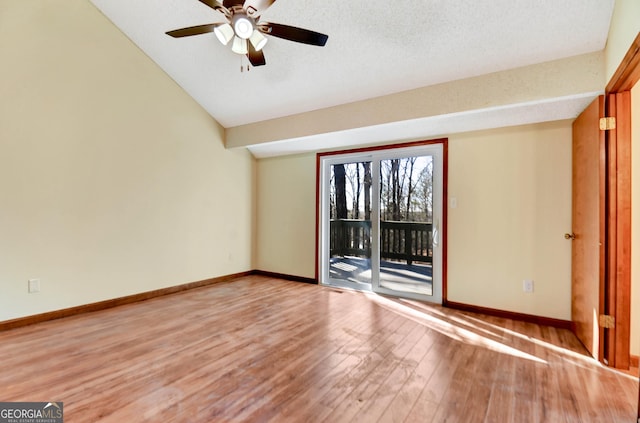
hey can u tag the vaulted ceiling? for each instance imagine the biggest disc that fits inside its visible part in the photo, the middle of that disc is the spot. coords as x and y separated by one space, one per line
375 48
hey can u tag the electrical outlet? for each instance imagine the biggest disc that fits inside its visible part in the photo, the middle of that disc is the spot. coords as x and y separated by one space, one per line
527 286
34 286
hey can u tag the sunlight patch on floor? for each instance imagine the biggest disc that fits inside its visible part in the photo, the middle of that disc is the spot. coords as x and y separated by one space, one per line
416 288
451 330
574 357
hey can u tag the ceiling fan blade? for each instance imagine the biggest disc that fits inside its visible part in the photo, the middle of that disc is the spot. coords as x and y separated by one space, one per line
256 58
292 33
192 30
230 3
214 4
257 7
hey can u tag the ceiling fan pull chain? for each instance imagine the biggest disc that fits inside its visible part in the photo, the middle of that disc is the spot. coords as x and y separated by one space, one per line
242 65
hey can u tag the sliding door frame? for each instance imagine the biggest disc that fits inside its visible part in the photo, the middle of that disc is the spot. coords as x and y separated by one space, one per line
390 148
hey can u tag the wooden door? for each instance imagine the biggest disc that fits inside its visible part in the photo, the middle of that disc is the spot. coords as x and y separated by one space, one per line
587 262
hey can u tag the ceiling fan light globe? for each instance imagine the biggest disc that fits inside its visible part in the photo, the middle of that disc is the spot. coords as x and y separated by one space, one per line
239 46
243 27
224 32
258 40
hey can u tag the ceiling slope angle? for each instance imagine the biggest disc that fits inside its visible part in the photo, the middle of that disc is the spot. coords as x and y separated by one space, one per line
375 51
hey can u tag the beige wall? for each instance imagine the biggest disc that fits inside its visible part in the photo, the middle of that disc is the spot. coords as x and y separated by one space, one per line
112 180
625 25
635 221
513 188
286 215
513 191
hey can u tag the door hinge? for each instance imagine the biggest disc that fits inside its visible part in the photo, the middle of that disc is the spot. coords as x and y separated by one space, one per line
607 322
607 123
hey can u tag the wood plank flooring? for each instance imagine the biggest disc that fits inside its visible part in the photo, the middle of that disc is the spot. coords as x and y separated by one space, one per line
259 349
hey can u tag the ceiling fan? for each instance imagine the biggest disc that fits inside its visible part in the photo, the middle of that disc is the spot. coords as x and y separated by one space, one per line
245 30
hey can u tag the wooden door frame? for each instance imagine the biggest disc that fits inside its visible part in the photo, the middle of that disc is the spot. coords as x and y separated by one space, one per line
617 301
616 295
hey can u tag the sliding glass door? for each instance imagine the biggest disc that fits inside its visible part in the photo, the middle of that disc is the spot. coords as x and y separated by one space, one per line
380 216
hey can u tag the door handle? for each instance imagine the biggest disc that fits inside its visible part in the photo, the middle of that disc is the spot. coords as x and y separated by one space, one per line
570 236
435 235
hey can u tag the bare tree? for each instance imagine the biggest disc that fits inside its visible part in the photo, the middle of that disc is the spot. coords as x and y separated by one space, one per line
352 173
385 190
424 191
366 167
332 198
395 189
341 191
412 161
357 192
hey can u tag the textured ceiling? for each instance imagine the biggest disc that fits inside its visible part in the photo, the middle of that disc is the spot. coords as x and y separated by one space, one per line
375 48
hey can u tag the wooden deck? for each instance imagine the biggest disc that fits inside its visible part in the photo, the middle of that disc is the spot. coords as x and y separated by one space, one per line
260 349
355 272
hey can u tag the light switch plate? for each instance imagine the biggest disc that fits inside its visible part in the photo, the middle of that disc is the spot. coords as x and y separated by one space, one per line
34 286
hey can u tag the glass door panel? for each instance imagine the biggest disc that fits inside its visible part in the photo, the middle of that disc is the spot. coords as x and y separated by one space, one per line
406 224
350 225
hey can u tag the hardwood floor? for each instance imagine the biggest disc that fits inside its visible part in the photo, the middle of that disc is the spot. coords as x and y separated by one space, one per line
259 349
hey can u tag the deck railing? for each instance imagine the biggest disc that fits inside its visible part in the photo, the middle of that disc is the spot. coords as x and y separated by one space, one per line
409 241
